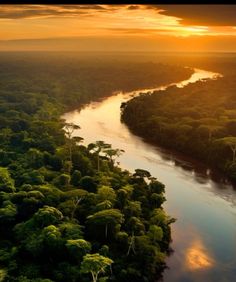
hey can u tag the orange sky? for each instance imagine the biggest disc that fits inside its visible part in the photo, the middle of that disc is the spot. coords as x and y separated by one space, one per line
118 27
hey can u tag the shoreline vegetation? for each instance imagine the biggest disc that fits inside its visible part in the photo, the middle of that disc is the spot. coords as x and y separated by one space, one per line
68 213
198 120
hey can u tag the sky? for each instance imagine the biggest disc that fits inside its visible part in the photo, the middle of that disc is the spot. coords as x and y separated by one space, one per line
170 28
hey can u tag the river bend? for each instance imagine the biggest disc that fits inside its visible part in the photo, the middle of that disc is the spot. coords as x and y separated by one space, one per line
204 235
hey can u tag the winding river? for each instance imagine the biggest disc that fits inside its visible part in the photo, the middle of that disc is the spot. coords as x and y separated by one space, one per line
204 235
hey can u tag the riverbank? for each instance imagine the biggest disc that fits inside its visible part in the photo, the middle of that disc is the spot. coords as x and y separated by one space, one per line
197 200
59 191
195 120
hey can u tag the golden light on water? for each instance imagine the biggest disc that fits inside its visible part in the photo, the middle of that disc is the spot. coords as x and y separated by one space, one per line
197 257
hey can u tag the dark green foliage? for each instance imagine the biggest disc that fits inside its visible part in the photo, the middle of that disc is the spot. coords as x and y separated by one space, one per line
88 183
6 182
75 178
62 180
199 119
64 209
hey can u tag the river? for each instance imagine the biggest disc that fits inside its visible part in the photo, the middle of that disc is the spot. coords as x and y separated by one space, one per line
204 235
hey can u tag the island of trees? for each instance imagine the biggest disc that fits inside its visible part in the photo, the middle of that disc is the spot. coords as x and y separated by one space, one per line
198 120
67 211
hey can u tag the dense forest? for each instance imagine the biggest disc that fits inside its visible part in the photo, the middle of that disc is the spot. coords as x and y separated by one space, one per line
199 119
74 79
68 213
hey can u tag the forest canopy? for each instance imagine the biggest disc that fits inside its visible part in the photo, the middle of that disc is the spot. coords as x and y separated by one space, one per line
67 211
198 120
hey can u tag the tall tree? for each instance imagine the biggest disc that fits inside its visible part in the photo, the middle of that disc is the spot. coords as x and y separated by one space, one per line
98 147
113 154
95 264
108 217
231 143
69 129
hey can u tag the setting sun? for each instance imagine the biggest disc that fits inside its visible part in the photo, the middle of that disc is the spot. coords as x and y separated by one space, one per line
160 25
117 143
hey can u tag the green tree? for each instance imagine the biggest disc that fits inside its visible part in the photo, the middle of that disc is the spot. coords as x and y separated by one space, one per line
6 182
112 154
155 233
157 187
75 196
210 129
97 148
95 264
47 216
75 177
106 193
141 173
8 211
78 247
157 200
62 180
34 158
71 230
51 235
231 143
110 217
88 183
69 129
3 274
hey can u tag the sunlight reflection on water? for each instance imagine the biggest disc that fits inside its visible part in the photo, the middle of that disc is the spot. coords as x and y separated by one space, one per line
197 257
204 234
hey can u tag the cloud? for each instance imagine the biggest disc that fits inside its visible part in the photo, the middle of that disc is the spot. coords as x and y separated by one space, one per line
82 7
201 15
140 31
133 7
36 11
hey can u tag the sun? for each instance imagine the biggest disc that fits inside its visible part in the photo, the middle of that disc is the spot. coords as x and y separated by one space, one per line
193 30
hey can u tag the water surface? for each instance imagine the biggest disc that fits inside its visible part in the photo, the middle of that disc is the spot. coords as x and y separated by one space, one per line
204 235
